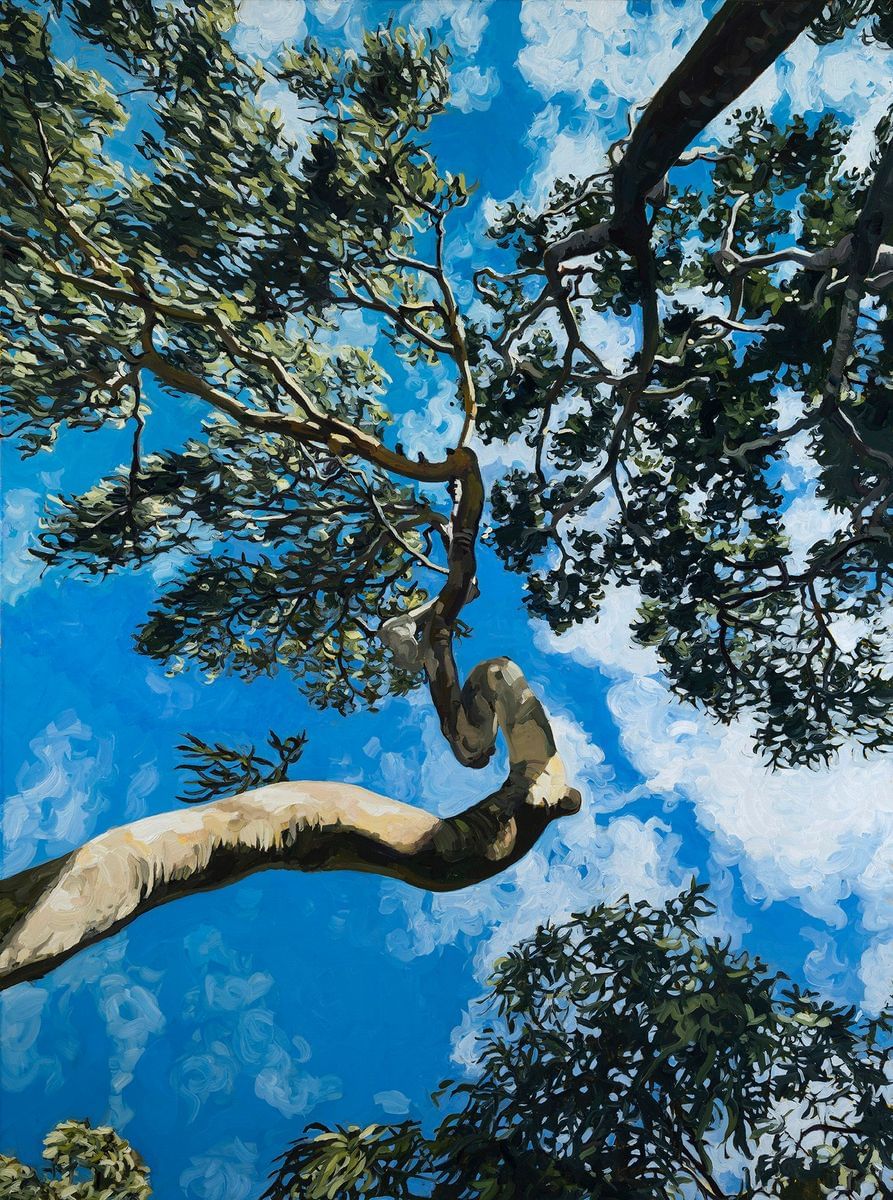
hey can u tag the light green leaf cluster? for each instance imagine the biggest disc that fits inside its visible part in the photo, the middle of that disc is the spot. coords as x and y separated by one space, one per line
83 1163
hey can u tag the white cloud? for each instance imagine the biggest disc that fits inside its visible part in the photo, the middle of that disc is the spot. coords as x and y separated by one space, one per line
142 785
299 116
579 862
473 89
58 797
814 837
823 968
20 569
807 520
607 643
265 24
577 867
435 423
353 328
849 77
235 1035
876 973
604 59
332 13
132 1017
600 52
801 463
467 20
811 837
226 1171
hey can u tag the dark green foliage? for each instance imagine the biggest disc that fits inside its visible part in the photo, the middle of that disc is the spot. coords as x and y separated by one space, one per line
253 248
630 1055
83 1164
220 770
225 264
693 491
380 1162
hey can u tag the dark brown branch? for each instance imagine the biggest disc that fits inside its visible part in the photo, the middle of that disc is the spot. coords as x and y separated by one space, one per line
736 47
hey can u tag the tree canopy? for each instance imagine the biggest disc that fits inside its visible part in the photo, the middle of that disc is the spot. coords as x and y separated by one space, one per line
630 1056
83 1163
199 297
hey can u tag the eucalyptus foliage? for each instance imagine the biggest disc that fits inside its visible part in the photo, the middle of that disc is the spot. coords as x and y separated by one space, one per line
224 262
219 770
632 1056
83 1163
682 487
251 242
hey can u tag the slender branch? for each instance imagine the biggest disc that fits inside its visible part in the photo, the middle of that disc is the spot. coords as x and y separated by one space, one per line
397 315
456 330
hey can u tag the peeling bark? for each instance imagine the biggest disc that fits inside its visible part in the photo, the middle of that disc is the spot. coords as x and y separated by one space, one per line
50 912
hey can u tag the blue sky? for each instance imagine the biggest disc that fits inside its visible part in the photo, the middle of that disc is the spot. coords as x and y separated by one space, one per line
210 1031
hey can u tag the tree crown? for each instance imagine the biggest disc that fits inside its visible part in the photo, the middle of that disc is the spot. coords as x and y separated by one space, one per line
222 265
633 1056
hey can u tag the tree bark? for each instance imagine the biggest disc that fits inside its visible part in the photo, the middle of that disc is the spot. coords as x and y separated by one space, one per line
50 912
736 47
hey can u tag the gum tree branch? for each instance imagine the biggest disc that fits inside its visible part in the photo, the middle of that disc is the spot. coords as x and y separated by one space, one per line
50 912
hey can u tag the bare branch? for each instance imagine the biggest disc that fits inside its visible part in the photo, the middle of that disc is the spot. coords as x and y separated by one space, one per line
50 912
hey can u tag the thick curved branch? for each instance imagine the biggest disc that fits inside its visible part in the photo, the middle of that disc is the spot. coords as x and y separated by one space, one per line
740 42
735 48
52 911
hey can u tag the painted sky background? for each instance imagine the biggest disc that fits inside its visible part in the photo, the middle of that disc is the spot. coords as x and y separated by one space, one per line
210 1031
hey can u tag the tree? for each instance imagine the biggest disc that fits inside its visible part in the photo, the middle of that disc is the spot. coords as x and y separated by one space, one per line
628 1056
632 1057
84 1164
213 279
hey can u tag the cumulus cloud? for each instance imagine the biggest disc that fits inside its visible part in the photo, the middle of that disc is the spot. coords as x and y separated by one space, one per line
804 835
265 24
848 77
580 862
606 643
331 13
807 520
876 973
20 569
815 838
579 866
600 52
473 89
462 22
59 795
436 423
298 115
603 57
